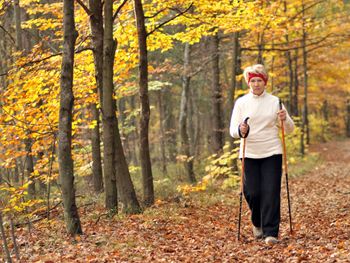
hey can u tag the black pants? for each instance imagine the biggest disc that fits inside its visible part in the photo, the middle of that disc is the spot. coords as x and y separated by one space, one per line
262 188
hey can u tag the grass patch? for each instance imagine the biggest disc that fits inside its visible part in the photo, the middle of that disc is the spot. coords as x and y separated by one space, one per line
304 165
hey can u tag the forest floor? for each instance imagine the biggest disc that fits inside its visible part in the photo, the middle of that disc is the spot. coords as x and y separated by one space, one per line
204 229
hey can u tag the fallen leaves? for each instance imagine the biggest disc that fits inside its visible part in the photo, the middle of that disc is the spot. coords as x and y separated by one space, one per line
207 232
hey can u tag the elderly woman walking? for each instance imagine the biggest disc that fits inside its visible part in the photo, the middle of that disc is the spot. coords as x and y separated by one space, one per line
263 152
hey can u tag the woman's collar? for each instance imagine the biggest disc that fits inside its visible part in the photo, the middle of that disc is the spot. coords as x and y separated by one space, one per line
257 96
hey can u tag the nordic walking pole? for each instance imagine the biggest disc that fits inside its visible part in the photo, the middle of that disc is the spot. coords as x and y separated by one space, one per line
286 171
242 181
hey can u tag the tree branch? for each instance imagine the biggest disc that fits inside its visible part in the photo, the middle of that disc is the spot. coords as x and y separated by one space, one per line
8 33
87 10
287 49
46 58
118 10
167 21
157 13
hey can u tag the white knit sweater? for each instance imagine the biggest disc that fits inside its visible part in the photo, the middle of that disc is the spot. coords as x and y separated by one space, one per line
263 138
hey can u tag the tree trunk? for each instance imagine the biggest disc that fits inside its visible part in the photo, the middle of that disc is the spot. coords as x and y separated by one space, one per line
190 122
325 110
16 172
260 59
170 126
236 70
130 204
65 161
96 25
305 69
234 73
185 144
29 167
96 151
162 134
134 135
296 86
40 183
29 164
290 69
4 240
109 109
197 123
217 119
348 118
146 167
14 241
117 176
17 9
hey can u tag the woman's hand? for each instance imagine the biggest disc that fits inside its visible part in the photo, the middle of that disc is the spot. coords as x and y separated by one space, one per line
282 115
243 127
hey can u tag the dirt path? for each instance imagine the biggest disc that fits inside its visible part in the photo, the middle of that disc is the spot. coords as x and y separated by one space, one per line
187 232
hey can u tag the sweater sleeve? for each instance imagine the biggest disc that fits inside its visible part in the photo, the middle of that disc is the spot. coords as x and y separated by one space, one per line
235 120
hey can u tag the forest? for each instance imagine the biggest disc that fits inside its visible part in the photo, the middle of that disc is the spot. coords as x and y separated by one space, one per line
114 120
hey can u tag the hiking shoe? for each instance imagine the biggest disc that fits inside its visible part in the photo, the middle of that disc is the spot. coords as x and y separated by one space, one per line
271 240
257 232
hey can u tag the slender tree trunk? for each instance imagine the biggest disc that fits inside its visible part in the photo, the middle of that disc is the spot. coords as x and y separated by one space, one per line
272 70
134 135
29 167
170 127
96 151
40 182
291 80
184 113
217 118
232 90
125 136
162 133
14 241
296 86
197 122
16 172
290 69
302 135
65 161
236 70
305 69
4 240
190 123
19 41
109 109
348 118
260 48
96 25
147 177
325 110
4 60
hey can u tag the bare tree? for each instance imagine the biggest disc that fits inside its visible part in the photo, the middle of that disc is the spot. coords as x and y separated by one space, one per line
217 117
185 143
65 161
147 176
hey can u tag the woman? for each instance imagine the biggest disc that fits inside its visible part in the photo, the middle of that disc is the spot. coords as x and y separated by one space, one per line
263 153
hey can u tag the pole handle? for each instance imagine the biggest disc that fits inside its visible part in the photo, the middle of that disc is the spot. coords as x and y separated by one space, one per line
246 135
280 103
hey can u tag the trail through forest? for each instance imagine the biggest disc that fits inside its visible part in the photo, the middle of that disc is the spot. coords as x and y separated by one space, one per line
189 231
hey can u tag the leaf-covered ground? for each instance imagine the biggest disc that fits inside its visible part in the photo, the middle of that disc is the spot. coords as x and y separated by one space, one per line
204 230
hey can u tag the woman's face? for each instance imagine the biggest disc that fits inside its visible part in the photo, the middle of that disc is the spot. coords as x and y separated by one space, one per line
257 85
